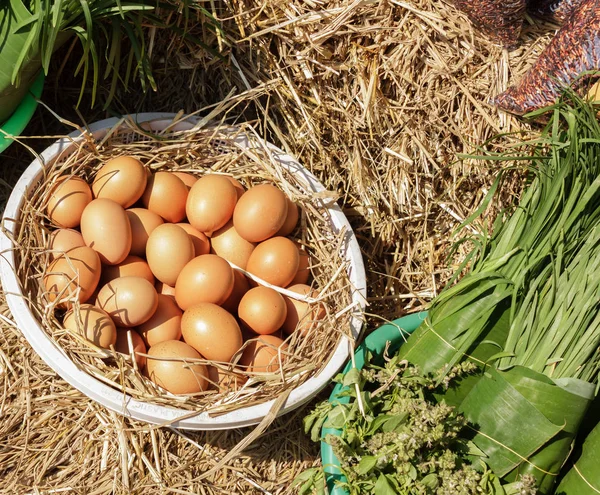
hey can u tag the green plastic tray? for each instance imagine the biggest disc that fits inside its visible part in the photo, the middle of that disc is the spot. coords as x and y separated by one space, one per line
395 333
17 122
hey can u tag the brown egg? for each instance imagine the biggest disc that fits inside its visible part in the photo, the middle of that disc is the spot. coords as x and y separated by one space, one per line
200 241
210 203
165 323
106 229
168 250
303 273
130 301
225 381
122 345
79 268
132 266
178 377
228 244
166 195
301 316
63 240
165 290
68 199
122 179
207 278
239 188
188 179
275 261
240 287
260 213
212 331
93 323
143 222
291 220
262 355
263 310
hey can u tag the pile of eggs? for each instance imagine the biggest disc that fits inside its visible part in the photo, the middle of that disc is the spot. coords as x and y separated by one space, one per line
158 263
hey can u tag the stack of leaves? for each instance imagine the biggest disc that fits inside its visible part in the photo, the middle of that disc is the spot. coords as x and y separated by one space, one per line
583 478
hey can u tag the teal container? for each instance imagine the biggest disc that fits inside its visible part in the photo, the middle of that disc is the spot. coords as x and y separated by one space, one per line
395 333
17 122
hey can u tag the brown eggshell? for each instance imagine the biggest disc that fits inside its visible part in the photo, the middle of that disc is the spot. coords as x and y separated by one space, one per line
291 220
228 244
263 310
225 381
165 323
188 179
143 222
239 188
260 213
207 278
275 261
68 199
93 323
122 179
178 377
122 345
200 241
166 195
132 266
210 203
168 250
130 301
240 287
301 316
63 240
165 290
78 268
303 273
261 355
106 229
212 331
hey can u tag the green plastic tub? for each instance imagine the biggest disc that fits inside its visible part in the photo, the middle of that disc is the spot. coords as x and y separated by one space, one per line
17 122
395 333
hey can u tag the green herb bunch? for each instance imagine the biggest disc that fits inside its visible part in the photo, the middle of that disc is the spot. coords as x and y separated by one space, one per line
397 440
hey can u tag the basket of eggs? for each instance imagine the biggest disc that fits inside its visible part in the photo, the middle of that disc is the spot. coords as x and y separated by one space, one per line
180 272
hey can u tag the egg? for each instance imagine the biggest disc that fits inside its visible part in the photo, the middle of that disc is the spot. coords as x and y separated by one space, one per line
122 179
122 345
240 287
263 310
212 331
168 250
164 324
239 188
164 289
177 377
142 222
225 381
200 241
188 179
301 316
77 269
132 266
166 195
210 203
264 354
291 220
130 301
260 212
62 240
68 199
207 278
106 229
275 261
93 323
228 244
303 273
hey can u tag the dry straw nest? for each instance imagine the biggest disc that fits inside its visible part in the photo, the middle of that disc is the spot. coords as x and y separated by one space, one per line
200 150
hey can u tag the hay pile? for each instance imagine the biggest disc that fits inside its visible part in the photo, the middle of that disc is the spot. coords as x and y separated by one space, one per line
377 99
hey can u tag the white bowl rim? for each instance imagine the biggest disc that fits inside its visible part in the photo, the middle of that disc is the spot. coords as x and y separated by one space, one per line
123 404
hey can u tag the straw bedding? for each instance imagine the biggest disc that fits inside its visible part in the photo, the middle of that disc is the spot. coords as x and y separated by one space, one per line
378 99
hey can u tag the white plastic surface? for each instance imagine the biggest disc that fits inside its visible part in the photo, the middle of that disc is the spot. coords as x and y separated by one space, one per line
115 400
